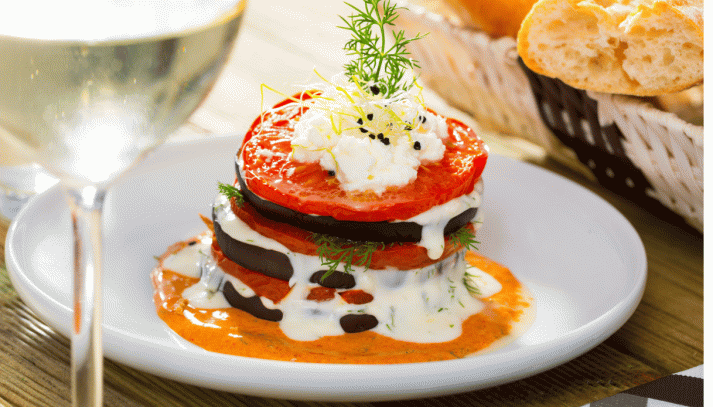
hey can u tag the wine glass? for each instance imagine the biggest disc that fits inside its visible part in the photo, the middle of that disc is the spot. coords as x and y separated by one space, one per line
87 87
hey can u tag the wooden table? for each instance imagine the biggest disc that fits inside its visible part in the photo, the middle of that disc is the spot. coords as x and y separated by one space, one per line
281 42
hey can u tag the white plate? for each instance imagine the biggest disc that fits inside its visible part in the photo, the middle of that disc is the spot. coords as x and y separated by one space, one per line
582 260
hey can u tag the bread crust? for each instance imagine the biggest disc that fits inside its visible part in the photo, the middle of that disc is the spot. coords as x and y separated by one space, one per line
634 47
497 18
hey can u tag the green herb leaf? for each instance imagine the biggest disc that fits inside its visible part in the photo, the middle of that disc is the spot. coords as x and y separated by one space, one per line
465 238
377 63
473 289
231 192
332 251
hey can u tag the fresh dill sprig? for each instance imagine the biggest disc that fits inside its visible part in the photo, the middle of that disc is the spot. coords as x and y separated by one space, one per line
465 238
332 251
378 64
473 289
231 192
393 323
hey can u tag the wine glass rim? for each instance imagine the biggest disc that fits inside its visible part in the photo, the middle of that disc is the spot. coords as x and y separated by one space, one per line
236 8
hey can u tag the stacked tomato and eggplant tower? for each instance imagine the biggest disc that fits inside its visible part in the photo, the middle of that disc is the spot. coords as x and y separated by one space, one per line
350 215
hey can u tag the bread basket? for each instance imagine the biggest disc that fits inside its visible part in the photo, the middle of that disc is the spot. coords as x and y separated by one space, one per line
649 156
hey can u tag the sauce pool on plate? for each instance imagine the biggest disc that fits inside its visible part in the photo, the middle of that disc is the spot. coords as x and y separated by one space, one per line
506 314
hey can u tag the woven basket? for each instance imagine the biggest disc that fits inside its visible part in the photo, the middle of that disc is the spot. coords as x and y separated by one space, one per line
644 154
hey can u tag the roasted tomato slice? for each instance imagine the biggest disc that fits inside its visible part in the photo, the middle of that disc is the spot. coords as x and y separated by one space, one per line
307 188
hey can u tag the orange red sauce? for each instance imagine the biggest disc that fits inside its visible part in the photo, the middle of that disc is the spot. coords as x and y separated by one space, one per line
235 332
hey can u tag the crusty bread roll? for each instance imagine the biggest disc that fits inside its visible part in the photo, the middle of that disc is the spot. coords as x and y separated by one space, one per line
634 47
497 18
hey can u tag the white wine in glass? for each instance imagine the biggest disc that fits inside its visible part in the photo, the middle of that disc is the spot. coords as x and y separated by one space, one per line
86 89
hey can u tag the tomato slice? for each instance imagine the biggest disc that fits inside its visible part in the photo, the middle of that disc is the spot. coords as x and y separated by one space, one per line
307 188
406 256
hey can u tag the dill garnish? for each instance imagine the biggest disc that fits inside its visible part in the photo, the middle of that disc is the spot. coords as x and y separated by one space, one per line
393 324
332 251
231 192
469 284
373 56
465 238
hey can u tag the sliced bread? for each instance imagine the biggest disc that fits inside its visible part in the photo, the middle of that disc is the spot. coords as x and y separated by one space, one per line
634 47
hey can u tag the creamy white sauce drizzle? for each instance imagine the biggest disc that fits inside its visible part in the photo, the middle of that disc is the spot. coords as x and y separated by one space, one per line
200 296
427 305
434 220
187 261
234 227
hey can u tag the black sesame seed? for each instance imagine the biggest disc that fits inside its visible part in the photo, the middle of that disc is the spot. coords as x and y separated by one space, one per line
370 116
331 173
422 118
363 130
380 136
192 243
360 121
374 89
372 136
417 145
386 141
408 128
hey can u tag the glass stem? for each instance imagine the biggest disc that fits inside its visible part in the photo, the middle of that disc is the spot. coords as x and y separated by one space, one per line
87 360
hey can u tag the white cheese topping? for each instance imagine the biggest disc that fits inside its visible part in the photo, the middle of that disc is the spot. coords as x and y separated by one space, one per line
370 142
427 305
